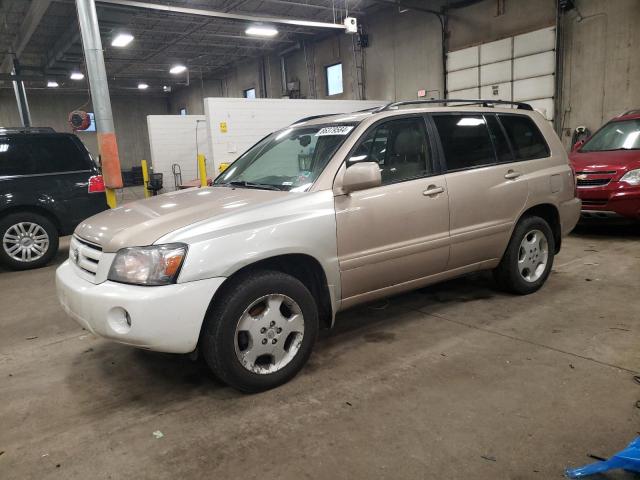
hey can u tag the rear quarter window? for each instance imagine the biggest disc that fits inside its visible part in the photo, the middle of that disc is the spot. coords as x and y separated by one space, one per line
38 154
15 158
527 141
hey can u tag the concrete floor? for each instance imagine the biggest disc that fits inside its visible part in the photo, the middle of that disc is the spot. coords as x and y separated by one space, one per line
456 381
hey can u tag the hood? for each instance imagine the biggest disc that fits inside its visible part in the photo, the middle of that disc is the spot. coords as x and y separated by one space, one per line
618 160
144 221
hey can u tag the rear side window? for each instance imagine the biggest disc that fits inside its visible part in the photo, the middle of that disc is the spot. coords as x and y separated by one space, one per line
36 154
525 137
15 158
465 140
500 143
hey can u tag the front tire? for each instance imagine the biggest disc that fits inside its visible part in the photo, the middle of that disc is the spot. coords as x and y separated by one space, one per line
27 240
260 331
529 257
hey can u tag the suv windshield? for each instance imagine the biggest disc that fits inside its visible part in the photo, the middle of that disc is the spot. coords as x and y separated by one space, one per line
289 160
623 135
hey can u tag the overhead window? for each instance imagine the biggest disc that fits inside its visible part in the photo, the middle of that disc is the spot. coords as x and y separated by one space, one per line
250 93
334 79
526 140
465 140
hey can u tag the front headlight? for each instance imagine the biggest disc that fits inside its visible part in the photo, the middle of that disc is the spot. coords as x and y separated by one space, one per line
632 177
153 265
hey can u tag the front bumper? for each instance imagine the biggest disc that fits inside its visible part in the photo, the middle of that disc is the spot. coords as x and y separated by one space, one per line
616 199
165 318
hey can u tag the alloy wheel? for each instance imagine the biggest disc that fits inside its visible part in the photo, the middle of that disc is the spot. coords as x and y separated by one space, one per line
25 242
269 334
533 255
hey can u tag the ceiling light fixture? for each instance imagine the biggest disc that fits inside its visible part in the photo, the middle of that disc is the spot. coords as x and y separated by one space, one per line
176 69
166 88
52 84
122 40
261 31
143 86
76 75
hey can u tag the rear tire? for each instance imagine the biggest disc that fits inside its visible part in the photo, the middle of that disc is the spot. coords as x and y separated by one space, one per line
528 260
27 240
260 331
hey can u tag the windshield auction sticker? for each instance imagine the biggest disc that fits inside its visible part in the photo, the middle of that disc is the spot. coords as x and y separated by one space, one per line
338 130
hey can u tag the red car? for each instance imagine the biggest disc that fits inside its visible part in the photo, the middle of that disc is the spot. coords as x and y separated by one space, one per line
607 168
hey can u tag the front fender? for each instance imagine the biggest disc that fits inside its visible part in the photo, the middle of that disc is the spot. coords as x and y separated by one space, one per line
305 224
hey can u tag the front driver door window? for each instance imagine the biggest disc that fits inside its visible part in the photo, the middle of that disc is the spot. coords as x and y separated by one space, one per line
394 236
399 147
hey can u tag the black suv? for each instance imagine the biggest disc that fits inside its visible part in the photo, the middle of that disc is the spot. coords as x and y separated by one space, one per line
48 184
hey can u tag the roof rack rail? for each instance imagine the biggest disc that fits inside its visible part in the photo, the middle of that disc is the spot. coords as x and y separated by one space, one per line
484 103
634 111
5 130
312 117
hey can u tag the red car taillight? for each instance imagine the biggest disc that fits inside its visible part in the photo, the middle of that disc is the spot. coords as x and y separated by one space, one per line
96 184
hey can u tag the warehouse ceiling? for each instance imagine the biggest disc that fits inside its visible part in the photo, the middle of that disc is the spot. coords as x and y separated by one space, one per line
208 46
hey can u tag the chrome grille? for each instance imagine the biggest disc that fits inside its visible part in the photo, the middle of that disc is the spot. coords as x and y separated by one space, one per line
596 182
593 203
85 255
603 178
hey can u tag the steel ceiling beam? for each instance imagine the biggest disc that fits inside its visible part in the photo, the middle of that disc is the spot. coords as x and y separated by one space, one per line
225 15
29 24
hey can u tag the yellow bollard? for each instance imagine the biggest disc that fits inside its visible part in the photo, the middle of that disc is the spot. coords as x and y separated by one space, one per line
111 197
202 169
223 166
145 178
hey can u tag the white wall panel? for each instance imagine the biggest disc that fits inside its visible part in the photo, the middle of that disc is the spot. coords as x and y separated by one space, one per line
172 139
495 73
470 93
496 51
462 79
536 65
248 120
534 42
461 59
503 92
533 88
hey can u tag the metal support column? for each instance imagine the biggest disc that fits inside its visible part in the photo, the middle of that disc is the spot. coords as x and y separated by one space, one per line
94 59
21 96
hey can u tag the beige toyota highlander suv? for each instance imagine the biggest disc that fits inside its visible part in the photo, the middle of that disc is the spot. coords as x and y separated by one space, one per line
328 213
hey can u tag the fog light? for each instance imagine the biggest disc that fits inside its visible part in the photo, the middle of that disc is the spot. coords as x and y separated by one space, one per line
119 320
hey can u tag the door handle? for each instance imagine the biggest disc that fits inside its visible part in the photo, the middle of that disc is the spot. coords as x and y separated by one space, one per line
432 190
512 174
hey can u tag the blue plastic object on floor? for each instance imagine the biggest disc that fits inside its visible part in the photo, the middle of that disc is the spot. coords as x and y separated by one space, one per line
628 459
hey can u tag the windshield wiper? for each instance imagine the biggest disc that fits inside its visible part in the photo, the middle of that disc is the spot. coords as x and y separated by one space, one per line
262 186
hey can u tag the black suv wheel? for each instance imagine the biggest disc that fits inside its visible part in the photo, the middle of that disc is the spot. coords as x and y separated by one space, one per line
28 240
528 260
260 331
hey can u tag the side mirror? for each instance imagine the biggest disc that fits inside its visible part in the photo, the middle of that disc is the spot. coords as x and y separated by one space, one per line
578 144
360 176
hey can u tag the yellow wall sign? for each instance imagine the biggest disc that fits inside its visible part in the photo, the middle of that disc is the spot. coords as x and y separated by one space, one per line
223 127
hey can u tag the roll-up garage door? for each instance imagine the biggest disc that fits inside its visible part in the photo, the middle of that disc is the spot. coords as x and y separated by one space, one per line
519 68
